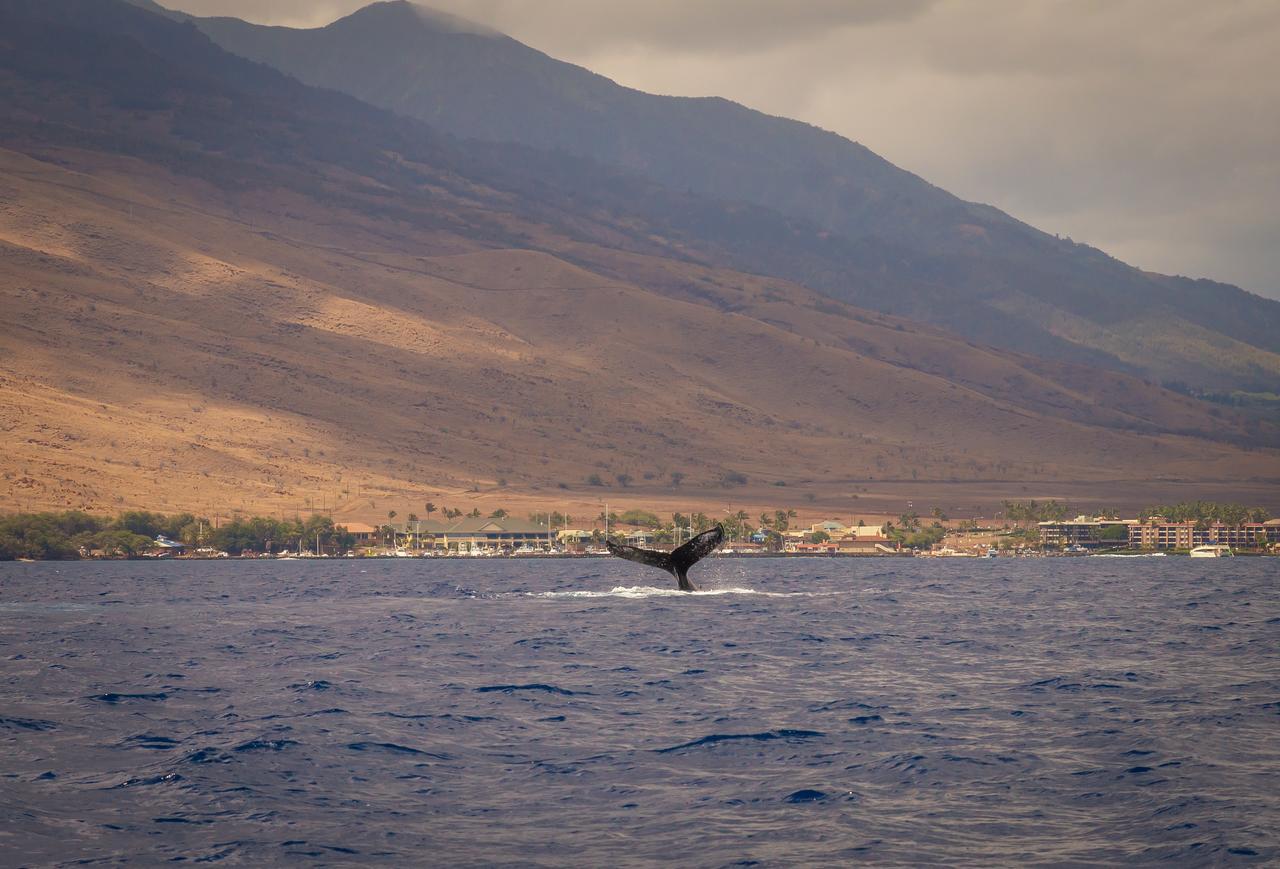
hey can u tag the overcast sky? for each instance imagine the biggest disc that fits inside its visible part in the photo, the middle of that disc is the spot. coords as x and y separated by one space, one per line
1149 128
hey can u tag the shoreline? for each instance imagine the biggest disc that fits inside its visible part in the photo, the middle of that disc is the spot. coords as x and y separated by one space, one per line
594 555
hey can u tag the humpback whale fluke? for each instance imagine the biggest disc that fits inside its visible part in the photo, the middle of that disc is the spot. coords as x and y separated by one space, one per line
678 561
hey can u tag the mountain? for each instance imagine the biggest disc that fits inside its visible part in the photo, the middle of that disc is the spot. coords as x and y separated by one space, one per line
231 289
882 237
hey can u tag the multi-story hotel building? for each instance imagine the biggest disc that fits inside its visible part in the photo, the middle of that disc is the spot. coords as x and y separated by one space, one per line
1090 533
1156 534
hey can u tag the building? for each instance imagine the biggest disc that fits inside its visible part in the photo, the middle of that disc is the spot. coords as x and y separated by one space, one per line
830 527
1270 530
1164 535
1086 532
827 548
482 535
1250 535
866 544
574 538
1157 534
365 535
866 540
420 533
472 534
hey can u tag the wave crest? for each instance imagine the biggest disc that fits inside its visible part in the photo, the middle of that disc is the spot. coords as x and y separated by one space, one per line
643 591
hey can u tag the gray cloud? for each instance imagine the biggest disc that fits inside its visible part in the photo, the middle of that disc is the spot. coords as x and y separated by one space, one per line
287 13
1149 128
706 27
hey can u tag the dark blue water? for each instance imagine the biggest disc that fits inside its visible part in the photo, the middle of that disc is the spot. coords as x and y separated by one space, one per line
1082 711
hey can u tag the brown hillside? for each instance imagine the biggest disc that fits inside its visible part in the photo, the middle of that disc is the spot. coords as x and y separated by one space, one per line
857 227
170 344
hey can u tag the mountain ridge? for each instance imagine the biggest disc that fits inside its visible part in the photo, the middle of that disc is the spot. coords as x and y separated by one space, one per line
912 249
317 298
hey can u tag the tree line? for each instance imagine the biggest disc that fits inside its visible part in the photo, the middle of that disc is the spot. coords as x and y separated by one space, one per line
1033 511
912 533
737 526
73 534
1205 512
69 534
1208 513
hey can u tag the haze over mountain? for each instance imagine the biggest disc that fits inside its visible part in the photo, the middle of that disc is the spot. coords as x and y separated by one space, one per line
235 288
891 241
1143 128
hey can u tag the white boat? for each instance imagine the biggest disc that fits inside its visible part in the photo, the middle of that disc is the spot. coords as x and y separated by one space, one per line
1211 551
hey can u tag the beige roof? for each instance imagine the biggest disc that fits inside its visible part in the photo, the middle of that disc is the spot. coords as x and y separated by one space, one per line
356 527
483 526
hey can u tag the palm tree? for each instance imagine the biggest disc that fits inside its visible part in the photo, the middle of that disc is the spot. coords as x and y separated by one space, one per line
782 519
391 516
430 508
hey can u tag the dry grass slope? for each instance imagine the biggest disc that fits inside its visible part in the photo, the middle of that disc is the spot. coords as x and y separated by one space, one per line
176 346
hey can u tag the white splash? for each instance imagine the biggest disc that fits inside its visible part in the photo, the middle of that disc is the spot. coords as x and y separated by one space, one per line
642 591
1136 555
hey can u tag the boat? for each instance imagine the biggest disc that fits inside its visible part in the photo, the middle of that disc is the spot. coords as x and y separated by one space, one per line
948 552
1210 550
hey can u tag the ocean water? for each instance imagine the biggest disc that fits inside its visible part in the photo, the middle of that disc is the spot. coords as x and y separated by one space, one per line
555 713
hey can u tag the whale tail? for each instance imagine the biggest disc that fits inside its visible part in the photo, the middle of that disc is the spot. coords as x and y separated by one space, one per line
678 561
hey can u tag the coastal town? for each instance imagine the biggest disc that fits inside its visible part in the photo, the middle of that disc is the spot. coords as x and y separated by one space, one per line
1022 530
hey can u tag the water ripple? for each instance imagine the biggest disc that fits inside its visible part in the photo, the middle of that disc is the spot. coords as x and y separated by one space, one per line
547 713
